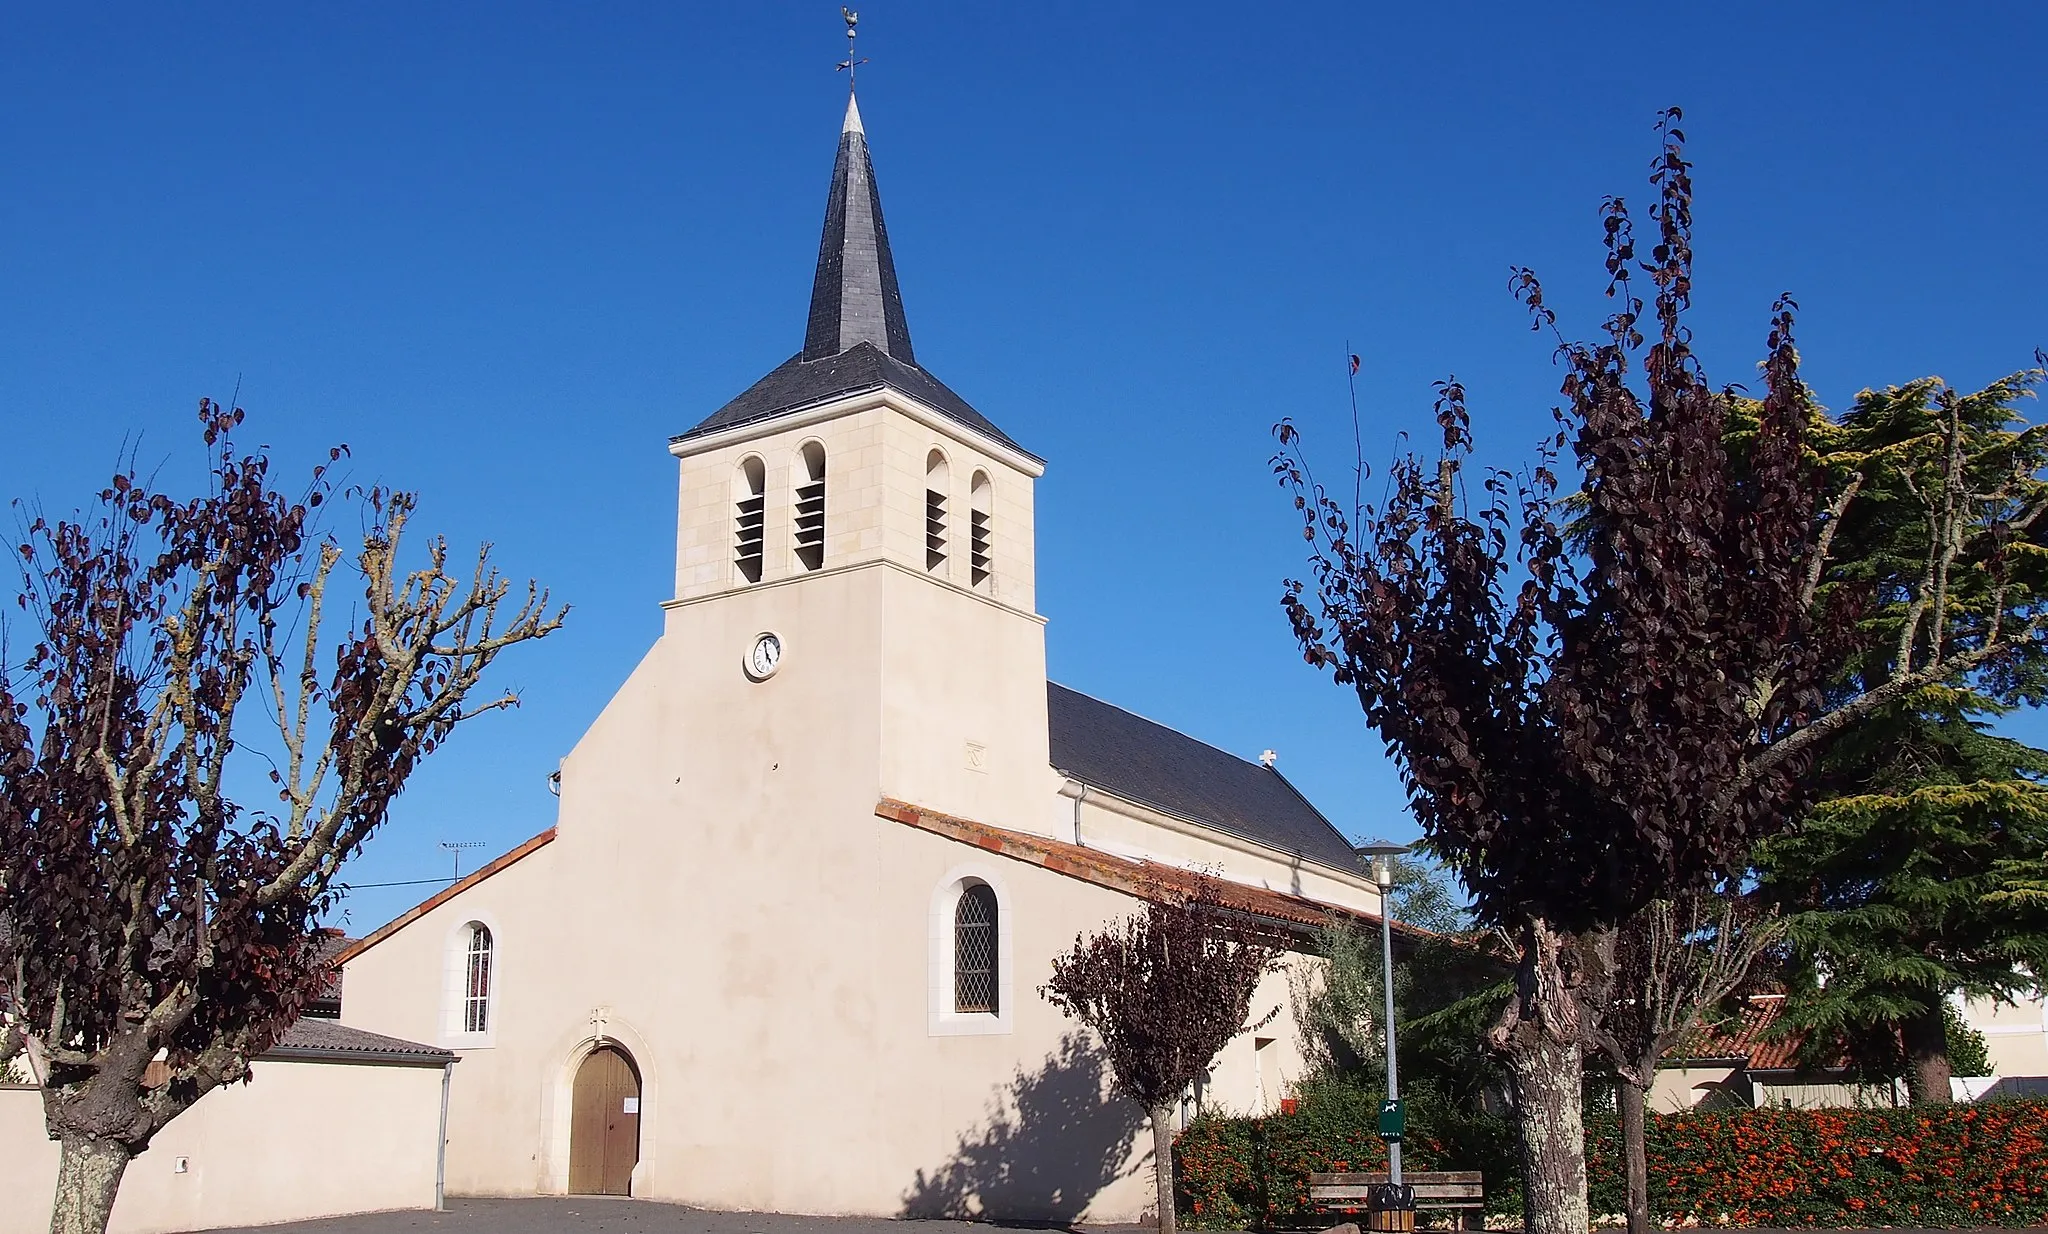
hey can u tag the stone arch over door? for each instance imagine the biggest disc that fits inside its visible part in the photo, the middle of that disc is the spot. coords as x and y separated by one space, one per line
604 1123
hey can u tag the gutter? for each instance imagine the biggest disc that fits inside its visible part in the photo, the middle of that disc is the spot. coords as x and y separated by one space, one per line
389 1058
441 1141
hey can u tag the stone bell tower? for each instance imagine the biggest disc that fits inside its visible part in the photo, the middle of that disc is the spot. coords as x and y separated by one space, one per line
853 509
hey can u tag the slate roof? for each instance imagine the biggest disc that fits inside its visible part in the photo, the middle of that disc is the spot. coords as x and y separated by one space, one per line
315 1039
798 383
1152 765
856 338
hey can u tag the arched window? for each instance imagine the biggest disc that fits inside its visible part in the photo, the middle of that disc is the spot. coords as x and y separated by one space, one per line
476 982
750 515
810 506
974 950
936 486
980 560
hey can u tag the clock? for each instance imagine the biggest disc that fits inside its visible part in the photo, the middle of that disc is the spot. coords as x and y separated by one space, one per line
764 657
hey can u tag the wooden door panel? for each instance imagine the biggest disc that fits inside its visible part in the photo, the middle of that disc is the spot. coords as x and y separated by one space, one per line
604 1132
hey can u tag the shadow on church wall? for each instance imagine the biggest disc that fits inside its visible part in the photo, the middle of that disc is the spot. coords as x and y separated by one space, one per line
1051 1141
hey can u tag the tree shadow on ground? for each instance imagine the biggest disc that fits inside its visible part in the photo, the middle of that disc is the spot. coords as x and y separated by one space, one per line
1051 1141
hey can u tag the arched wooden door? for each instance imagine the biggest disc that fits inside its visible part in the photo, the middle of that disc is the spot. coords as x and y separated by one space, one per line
604 1128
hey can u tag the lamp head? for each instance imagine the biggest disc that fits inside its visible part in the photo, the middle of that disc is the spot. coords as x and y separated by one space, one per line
1381 855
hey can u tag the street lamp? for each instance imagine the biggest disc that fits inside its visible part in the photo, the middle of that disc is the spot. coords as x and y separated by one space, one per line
1398 1202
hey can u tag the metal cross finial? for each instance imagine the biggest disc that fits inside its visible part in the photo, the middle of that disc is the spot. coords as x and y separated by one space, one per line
850 64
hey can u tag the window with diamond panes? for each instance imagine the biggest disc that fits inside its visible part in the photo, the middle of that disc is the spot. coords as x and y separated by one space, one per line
810 507
974 950
476 986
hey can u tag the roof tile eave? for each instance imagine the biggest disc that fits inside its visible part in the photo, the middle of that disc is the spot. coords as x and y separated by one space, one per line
502 862
1123 874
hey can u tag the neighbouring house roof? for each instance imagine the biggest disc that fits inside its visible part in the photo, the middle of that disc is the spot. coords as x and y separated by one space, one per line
332 944
442 896
326 1040
1748 1039
1145 880
856 338
1152 765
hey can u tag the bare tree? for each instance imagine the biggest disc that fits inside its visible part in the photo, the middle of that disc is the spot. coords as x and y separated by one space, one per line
1674 960
1163 991
146 913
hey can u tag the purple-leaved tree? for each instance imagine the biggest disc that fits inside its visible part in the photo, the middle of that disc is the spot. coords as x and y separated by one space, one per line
1607 698
147 913
1163 991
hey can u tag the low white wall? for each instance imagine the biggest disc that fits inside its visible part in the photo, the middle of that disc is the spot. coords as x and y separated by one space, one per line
303 1139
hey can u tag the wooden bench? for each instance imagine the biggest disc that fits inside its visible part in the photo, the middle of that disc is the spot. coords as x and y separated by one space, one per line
1457 1189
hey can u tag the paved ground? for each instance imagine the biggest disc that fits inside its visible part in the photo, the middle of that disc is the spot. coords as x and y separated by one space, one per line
590 1214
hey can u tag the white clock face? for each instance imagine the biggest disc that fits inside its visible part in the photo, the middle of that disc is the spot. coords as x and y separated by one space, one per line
764 657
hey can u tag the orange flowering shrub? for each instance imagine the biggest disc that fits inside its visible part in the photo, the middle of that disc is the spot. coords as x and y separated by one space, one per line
1964 1165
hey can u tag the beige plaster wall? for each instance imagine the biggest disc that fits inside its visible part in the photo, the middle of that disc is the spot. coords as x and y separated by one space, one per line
2015 1034
875 455
301 1140
1132 831
723 901
1682 1088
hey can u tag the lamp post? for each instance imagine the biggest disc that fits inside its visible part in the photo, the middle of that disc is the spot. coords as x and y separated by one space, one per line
1396 1208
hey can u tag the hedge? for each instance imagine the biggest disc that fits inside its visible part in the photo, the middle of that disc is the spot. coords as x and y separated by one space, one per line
1966 1165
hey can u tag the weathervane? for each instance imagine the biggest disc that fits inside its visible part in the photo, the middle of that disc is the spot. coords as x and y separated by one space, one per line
850 64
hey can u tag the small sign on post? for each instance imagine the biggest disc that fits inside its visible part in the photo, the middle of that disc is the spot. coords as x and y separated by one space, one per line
1393 1120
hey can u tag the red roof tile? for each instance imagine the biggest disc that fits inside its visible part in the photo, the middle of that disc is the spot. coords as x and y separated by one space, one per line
441 897
1145 880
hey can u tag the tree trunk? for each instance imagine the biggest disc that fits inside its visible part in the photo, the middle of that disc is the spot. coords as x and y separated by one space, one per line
88 1178
1927 1069
1548 1074
1162 1164
1636 1156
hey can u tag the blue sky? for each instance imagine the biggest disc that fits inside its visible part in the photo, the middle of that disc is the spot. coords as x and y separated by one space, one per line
504 251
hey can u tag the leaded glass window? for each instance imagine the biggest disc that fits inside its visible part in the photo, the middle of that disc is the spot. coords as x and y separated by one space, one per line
974 950
476 986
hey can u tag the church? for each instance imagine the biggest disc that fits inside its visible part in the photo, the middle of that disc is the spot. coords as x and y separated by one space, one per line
781 949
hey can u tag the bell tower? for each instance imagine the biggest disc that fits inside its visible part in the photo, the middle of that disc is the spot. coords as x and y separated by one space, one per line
851 492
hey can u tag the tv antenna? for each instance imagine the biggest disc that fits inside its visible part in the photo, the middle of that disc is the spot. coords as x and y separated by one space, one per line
455 848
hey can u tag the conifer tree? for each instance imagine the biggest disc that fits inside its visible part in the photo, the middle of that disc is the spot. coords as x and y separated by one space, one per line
1909 881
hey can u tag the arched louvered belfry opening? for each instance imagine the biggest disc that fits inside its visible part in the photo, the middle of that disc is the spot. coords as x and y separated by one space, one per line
980 532
937 492
750 517
810 506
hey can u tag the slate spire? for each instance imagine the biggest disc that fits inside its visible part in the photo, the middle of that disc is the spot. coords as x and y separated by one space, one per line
854 298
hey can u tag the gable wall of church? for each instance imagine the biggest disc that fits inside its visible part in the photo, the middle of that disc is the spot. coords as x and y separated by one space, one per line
721 899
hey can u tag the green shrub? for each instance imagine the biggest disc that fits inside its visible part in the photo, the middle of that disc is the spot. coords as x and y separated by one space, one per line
1234 1173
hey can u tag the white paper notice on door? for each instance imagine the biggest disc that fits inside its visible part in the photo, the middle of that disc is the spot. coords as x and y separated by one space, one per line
632 1106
